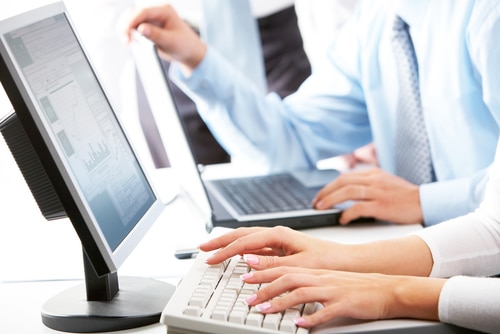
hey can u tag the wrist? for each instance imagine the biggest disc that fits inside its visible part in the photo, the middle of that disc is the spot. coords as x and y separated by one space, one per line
418 214
408 255
416 297
194 58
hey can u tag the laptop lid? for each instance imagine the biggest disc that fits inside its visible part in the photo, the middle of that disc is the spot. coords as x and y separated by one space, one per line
180 152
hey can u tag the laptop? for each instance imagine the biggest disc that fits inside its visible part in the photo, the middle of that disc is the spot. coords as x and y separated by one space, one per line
229 202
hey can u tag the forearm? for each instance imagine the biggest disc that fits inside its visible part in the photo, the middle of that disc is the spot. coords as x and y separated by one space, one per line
240 117
403 256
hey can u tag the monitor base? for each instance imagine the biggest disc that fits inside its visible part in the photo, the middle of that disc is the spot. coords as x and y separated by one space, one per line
139 302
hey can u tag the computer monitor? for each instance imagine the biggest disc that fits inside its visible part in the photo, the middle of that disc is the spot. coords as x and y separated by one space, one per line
78 162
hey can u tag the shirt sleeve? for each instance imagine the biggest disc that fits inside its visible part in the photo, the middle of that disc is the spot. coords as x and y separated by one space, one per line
293 133
239 116
470 246
471 302
462 196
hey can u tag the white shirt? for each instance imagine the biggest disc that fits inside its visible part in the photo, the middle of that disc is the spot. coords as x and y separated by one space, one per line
467 248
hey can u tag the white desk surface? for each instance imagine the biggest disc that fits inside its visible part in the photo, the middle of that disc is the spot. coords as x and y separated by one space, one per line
38 258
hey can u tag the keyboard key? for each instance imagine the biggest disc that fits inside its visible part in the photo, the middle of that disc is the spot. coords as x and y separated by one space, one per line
220 313
272 321
193 310
197 301
238 317
288 326
255 319
292 313
309 309
301 330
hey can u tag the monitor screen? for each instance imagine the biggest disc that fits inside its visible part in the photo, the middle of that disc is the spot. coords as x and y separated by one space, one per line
76 135
79 121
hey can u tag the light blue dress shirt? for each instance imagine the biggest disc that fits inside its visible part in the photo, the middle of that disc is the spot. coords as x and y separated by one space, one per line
230 28
353 100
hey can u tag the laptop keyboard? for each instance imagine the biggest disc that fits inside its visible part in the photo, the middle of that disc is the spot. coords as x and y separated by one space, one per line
211 299
265 194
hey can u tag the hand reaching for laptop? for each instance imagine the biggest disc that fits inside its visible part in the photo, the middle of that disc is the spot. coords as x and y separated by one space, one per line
174 38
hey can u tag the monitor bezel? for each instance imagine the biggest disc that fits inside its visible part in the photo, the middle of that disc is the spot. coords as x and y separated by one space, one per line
103 258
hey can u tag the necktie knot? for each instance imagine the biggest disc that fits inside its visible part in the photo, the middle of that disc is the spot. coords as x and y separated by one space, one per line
399 25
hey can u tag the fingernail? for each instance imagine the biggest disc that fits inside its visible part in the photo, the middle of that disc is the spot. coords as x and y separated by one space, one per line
300 322
208 259
251 299
144 29
246 276
319 205
251 259
263 307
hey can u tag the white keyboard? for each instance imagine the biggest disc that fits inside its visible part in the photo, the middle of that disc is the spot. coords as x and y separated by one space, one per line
211 299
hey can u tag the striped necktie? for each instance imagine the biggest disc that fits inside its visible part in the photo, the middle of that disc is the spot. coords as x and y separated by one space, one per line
413 157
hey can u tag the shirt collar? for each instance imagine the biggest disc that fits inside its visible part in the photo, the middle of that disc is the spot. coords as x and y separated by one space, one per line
411 11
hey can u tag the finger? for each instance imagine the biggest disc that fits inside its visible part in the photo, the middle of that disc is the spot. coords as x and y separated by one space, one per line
298 296
228 238
263 276
359 210
284 279
272 274
353 192
320 316
249 243
343 181
268 262
366 154
264 252
350 160
155 15
131 19
164 39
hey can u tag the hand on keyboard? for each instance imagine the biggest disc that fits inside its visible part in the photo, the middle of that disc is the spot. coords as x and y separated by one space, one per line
282 247
343 294
213 299
298 269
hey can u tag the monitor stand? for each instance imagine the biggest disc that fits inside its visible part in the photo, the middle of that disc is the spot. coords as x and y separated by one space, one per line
101 305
